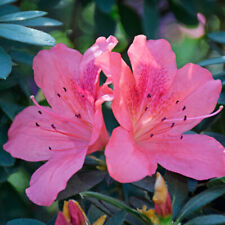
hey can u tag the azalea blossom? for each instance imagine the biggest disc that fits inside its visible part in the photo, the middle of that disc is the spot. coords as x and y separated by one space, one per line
155 104
71 128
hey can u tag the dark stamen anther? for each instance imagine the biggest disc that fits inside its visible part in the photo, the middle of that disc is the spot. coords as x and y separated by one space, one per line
172 125
37 124
163 119
149 95
185 117
78 115
53 126
151 135
39 112
184 108
177 101
49 148
64 89
58 95
181 137
146 108
82 96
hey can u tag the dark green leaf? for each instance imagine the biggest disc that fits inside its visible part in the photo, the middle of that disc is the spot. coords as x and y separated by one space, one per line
217 37
184 11
130 21
5 64
151 18
105 6
178 189
22 57
218 137
3 2
216 182
20 16
105 24
26 35
40 22
6 9
25 222
81 181
217 60
5 172
207 220
201 200
222 98
117 219
147 183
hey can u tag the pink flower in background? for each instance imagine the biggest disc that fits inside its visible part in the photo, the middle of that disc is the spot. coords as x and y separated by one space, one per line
71 128
155 105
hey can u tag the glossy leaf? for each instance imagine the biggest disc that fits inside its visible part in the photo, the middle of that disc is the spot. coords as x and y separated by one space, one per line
207 220
20 16
26 35
201 200
5 64
212 61
25 222
217 37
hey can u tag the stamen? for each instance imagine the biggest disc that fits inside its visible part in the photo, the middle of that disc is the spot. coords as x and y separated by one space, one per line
146 108
184 108
78 115
185 117
53 126
151 135
58 95
82 96
163 119
49 148
39 112
172 125
177 101
181 137
64 89
37 124
149 95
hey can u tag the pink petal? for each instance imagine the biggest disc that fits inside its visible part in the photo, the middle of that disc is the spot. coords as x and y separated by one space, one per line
125 162
61 220
197 94
125 94
154 66
52 177
32 137
197 156
89 72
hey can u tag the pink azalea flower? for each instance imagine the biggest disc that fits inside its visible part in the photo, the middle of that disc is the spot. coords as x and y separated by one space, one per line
71 128
155 105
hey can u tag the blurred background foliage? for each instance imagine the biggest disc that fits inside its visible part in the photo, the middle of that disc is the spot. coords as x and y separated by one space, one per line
27 26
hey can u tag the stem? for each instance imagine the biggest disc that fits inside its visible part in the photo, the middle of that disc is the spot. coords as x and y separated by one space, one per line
117 204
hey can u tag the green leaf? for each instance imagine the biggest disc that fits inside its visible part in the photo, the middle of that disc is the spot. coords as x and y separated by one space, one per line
40 22
20 16
5 172
207 220
81 181
221 99
6 9
217 136
25 222
105 6
117 218
26 35
178 190
5 64
3 2
217 37
151 18
216 182
22 57
146 184
105 25
130 21
201 200
211 61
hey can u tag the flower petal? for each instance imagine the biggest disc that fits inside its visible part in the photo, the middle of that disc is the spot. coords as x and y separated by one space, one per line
52 177
33 135
61 220
125 162
197 156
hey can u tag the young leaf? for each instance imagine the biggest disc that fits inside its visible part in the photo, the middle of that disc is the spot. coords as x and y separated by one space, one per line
201 200
207 220
5 64
20 16
26 35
